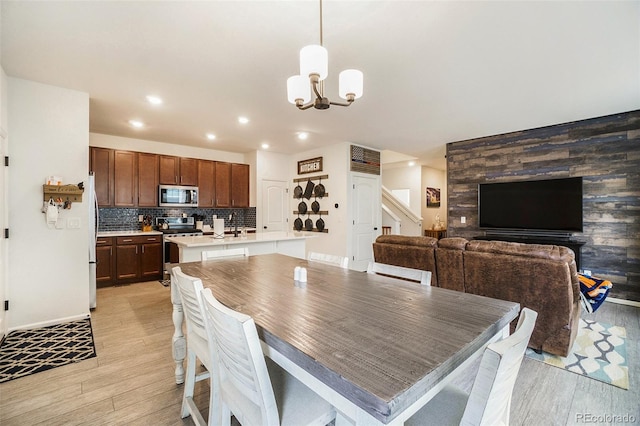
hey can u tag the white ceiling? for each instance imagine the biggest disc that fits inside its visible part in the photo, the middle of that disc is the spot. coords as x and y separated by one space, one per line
435 72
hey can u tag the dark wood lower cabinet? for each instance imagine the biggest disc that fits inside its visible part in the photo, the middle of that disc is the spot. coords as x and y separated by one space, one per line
128 259
151 261
104 262
126 262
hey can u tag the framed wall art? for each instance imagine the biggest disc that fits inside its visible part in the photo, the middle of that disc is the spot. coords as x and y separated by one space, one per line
433 197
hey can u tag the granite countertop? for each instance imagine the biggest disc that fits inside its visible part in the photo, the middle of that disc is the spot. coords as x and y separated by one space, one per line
126 233
206 240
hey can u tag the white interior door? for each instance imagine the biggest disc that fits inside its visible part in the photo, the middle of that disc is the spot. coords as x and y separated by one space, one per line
274 206
366 214
4 217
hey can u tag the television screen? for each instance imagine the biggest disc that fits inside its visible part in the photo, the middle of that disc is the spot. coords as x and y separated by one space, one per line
541 205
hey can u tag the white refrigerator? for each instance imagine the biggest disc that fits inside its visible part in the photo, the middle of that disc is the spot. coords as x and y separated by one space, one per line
93 237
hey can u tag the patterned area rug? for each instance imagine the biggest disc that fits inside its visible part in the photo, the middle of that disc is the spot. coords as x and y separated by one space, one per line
599 352
25 352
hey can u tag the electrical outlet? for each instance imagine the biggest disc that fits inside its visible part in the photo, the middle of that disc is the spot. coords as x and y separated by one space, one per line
463 219
73 223
587 272
140 218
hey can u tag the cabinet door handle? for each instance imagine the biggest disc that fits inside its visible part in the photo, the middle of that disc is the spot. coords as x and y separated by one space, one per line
127 241
110 251
142 249
136 249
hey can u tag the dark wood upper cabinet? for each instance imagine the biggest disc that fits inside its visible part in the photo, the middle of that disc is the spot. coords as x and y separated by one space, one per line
148 180
101 164
206 183
188 172
178 171
239 185
223 184
131 179
125 178
169 170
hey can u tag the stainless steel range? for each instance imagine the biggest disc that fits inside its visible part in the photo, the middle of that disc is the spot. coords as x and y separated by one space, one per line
174 227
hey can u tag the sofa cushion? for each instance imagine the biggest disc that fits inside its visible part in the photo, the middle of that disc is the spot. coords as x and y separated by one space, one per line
539 251
408 240
410 252
540 277
450 263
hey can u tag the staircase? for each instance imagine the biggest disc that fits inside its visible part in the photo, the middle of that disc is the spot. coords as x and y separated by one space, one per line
398 216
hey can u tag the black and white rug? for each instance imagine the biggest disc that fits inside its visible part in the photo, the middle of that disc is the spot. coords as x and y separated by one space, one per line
25 352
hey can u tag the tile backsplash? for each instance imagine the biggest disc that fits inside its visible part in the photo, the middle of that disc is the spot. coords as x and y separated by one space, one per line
126 219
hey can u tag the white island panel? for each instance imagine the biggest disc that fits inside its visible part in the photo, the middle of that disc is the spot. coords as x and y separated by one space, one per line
288 243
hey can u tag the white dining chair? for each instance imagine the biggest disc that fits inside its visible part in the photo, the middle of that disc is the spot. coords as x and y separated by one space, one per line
216 254
489 402
245 387
190 290
423 277
329 259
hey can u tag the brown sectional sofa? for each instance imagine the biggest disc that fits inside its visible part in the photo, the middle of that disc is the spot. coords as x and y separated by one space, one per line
540 277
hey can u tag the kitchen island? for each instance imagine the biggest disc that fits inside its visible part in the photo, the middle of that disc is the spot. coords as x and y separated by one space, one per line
288 243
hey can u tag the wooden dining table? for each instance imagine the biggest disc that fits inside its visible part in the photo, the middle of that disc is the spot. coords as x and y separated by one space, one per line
377 348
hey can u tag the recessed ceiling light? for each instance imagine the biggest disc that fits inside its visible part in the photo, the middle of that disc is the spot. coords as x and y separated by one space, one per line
265 145
211 136
154 100
243 120
136 123
412 163
303 136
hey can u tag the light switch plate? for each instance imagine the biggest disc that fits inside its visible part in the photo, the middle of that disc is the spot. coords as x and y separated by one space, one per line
463 219
73 223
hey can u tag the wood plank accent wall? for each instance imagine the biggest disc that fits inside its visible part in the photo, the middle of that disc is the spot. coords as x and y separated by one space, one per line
605 151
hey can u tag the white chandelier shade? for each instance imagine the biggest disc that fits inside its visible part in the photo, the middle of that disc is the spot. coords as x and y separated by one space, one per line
298 87
314 59
350 82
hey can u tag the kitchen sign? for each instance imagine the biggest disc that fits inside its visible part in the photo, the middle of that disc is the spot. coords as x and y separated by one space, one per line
310 166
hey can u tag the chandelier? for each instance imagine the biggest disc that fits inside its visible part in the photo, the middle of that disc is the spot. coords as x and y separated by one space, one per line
314 69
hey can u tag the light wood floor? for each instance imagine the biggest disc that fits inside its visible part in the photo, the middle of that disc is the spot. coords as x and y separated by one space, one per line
131 380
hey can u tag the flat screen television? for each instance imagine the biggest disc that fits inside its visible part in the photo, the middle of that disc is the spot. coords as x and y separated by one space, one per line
542 205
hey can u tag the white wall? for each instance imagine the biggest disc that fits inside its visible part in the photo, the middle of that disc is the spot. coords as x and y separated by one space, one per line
433 178
49 268
405 178
335 161
4 243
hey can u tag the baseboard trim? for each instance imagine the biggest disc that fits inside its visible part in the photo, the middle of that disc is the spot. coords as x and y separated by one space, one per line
50 322
623 302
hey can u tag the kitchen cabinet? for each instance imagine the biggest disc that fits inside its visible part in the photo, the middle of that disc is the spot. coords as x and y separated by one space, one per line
131 179
178 171
223 184
206 183
169 169
138 258
148 173
151 263
188 171
101 164
104 261
239 185
124 172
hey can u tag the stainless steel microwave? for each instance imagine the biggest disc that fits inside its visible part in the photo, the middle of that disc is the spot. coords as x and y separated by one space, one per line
177 196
